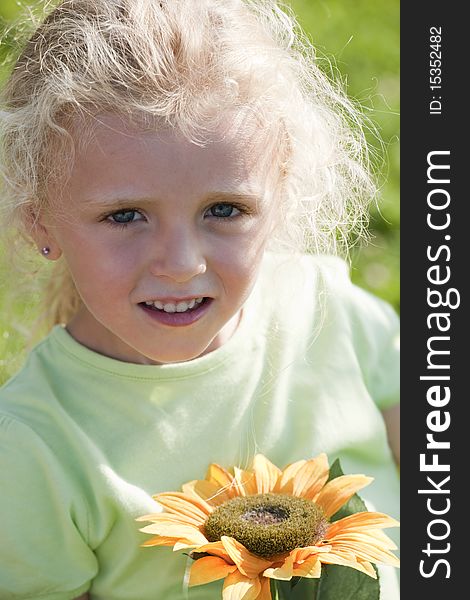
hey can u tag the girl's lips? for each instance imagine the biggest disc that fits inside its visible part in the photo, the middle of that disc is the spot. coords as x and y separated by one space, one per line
176 300
178 319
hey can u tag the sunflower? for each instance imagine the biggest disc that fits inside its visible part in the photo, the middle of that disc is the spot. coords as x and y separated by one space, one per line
250 526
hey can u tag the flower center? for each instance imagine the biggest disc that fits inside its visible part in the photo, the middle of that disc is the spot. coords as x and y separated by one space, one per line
266 515
268 524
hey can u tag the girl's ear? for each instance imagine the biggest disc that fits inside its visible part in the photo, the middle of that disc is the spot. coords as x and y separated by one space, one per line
35 226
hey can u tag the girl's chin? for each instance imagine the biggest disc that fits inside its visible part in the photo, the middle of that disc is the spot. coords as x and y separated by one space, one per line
179 337
172 356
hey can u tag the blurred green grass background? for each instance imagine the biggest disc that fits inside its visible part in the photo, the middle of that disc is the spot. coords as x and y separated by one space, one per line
361 40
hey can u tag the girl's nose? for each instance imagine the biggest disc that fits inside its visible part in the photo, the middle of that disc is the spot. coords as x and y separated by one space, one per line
178 257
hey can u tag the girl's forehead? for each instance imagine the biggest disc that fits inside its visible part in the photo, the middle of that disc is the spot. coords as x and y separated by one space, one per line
117 152
234 134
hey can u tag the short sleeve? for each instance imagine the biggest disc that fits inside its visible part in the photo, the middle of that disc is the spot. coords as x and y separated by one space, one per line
376 333
374 328
384 380
43 549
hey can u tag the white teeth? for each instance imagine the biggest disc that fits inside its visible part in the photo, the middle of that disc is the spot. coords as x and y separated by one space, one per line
170 307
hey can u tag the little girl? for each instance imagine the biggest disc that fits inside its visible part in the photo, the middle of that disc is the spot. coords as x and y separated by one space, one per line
187 167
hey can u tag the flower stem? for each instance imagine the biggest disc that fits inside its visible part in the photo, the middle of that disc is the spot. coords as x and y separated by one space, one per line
278 591
274 590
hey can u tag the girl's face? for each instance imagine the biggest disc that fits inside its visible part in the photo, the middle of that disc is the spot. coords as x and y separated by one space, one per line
151 224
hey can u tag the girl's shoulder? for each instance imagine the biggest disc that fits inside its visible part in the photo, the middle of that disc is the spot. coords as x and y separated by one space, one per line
317 308
42 503
26 378
30 396
322 283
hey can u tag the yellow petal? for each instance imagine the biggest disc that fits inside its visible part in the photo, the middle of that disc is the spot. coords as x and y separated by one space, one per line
345 559
283 572
299 554
337 556
216 549
245 482
167 517
311 477
220 476
239 587
369 569
338 491
310 567
380 536
247 563
151 516
182 545
207 491
361 521
181 504
177 531
209 568
376 537
160 540
265 592
266 474
285 484
365 547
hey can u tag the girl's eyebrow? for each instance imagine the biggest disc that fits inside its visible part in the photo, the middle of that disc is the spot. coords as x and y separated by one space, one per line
220 196
233 196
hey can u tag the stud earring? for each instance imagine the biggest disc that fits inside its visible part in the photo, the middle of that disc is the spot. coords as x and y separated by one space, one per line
45 251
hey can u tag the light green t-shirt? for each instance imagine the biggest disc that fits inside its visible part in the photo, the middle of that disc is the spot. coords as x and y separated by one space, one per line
86 439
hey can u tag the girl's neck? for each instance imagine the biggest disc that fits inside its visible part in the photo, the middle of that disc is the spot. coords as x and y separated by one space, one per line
83 328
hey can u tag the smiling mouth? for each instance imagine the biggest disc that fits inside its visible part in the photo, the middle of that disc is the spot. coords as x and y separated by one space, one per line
184 306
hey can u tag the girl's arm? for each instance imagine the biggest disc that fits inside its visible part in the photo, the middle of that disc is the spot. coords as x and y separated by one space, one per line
392 423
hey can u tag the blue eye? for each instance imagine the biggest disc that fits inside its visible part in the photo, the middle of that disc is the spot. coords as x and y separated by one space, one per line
224 211
123 217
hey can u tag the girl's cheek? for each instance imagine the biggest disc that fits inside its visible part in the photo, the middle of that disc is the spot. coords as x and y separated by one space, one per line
238 257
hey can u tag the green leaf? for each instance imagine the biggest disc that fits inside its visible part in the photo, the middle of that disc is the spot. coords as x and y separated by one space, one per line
354 505
344 583
294 581
280 590
304 589
274 590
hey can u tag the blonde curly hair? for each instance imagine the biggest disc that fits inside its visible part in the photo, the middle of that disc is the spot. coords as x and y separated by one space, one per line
182 64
